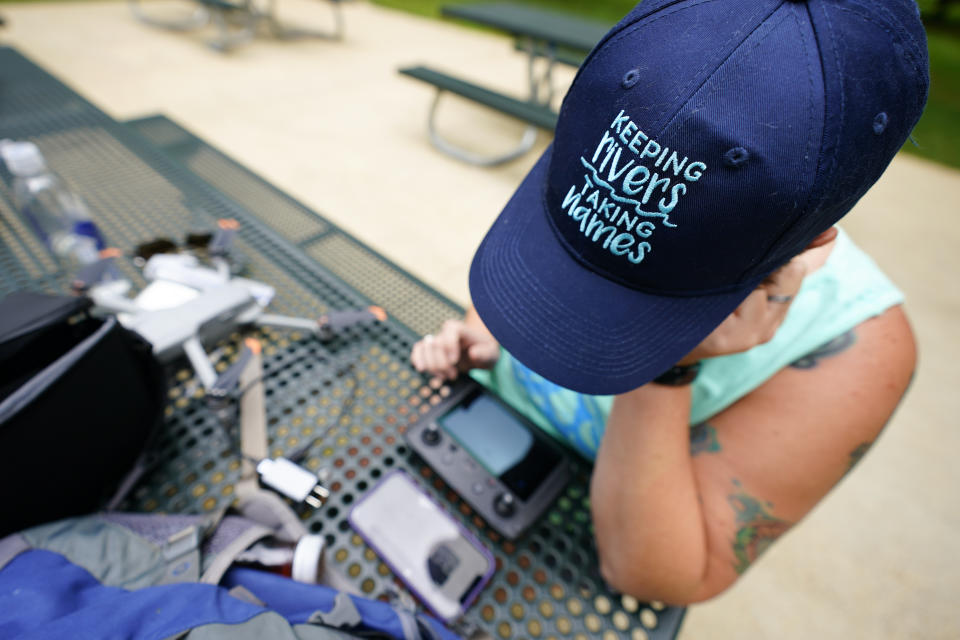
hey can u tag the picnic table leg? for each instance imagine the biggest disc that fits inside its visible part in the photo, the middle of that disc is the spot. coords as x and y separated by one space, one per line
229 37
284 32
545 81
199 18
527 141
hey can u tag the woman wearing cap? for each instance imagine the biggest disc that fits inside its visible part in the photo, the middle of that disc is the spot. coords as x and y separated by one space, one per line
667 291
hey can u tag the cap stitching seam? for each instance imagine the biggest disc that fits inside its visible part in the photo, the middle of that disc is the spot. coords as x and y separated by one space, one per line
910 52
600 49
663 14
704 81
892 23
717 87
833 161
808 196
557 307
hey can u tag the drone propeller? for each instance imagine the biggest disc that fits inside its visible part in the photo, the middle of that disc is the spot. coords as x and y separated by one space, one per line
332 323
96 272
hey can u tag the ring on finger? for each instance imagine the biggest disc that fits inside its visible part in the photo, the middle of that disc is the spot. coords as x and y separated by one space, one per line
779 299
428 338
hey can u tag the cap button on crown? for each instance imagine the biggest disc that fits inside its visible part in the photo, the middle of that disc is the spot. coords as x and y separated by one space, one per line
880 122
630 78
736 157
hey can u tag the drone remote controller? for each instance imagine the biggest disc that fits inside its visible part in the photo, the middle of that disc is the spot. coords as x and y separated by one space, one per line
494 458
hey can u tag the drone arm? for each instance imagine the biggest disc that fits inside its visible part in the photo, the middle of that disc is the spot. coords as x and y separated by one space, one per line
200 361
329 324
287 322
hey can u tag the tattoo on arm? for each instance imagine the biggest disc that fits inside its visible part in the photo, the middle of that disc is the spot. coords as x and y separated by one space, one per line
703 439
757 529
838 345
856 454
862 448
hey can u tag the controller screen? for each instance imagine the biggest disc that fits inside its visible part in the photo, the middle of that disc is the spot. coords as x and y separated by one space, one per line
501 443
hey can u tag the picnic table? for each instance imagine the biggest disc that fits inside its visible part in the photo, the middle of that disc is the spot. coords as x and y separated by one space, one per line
149 178
550 32
547 37
237 21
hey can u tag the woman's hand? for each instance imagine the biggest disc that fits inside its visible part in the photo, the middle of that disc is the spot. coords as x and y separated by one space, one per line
757 318
458 347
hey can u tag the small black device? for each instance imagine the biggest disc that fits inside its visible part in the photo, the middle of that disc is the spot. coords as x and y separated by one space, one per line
498 461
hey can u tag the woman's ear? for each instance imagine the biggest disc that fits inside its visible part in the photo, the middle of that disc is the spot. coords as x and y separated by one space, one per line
824 238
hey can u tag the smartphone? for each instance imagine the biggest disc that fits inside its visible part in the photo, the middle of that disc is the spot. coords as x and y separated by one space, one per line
441 562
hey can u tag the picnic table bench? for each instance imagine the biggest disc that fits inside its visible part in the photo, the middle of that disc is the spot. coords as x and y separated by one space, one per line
546 36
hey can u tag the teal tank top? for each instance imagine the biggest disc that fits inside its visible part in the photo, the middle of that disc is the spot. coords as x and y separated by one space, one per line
848 289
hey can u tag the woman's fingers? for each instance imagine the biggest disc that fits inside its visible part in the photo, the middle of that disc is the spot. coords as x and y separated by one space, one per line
483 355
450 339
437 361
433 354
456 347
418 357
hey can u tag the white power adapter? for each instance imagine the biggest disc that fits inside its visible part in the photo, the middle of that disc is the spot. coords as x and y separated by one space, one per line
293 481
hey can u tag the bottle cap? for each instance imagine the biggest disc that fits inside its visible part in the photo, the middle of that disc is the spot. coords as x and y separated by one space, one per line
22 158
308 559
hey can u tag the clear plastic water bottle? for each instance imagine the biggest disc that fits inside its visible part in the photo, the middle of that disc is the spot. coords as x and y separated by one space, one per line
59 216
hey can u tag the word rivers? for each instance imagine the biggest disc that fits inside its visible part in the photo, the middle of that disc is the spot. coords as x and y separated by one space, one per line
610 205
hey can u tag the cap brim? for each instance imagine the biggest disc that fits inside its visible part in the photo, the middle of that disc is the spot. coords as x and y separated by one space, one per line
570 325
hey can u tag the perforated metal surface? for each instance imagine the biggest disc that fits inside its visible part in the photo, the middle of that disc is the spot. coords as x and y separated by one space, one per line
360 385
289 217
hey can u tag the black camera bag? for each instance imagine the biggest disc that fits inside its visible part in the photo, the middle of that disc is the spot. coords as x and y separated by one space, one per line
80 399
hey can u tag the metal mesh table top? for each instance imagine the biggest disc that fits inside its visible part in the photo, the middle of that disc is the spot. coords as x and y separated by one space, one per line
153 178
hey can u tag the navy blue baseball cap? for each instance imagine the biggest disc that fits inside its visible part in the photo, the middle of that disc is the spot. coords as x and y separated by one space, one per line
702 145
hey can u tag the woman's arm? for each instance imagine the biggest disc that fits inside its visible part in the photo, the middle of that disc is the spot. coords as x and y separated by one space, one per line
678 519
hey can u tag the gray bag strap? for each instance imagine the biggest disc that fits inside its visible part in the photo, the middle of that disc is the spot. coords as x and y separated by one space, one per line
273 512
221 563
275 518
51 373
253 427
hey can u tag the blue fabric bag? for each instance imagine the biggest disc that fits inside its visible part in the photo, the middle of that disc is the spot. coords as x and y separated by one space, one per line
122 576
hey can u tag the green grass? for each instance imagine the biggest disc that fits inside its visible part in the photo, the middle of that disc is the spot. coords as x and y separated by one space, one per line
937 136
606 10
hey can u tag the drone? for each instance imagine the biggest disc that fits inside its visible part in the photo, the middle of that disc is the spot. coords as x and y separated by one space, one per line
189 302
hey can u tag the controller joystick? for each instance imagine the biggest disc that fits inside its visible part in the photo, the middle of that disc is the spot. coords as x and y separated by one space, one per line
505 505
431 435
